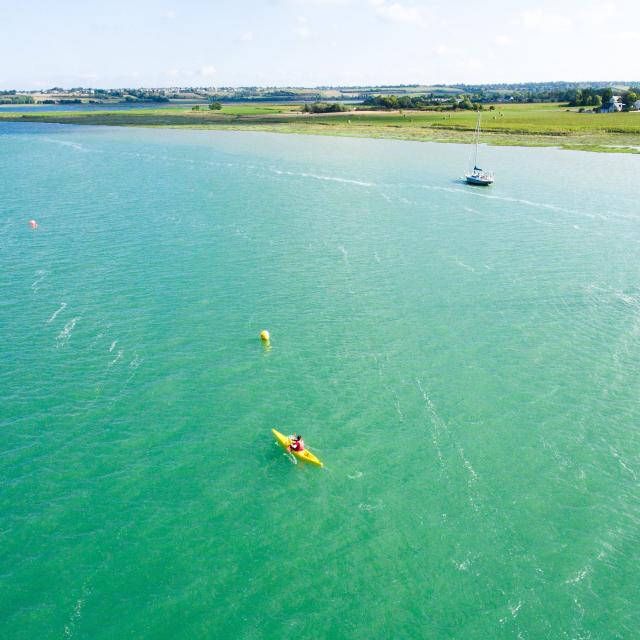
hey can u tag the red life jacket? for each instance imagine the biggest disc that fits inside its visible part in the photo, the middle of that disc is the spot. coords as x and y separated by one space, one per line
297 445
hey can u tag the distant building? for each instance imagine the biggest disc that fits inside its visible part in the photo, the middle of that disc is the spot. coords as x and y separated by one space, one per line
635 106
615 104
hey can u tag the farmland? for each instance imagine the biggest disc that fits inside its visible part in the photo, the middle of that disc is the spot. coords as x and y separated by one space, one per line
507 124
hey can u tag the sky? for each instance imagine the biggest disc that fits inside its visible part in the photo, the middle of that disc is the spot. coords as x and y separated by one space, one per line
163 43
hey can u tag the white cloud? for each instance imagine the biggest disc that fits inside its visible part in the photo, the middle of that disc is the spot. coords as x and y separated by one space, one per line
597 14
208 71
446 52
301 30
470 63
204 72
626 36
171 14
539 20
320 3
87 76
502 40
399 13
247 36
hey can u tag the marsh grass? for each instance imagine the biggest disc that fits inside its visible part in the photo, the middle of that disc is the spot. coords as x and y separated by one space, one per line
520 125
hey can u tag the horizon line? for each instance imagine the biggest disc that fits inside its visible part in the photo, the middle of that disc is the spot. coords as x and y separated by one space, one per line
327 86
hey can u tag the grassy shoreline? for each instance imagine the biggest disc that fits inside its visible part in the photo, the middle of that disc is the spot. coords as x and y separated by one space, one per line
529 125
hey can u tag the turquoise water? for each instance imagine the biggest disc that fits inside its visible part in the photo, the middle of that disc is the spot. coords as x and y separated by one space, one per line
464 361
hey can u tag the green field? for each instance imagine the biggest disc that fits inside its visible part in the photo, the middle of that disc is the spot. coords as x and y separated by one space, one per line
512 124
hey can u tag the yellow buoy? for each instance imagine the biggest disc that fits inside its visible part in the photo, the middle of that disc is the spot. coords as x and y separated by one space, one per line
264 335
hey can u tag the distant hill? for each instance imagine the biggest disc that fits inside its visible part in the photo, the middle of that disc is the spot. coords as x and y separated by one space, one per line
559 91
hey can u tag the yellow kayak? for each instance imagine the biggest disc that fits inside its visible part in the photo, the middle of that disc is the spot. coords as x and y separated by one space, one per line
305 455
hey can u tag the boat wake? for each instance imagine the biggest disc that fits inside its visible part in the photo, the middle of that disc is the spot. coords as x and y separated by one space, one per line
76 146
118 357
464 265
63 336
315 176
63 306
35 285
440 432
523 201
366 506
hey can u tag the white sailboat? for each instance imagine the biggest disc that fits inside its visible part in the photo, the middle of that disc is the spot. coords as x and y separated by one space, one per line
477 175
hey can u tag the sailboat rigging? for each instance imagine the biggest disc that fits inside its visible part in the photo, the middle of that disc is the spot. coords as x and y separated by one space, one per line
477 175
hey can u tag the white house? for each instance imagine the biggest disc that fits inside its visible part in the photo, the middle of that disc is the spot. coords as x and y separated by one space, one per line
615 104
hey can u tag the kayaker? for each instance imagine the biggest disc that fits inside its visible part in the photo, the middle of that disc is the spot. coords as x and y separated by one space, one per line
296 444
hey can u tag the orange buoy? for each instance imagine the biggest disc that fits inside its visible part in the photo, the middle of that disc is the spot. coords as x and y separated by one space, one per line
33 224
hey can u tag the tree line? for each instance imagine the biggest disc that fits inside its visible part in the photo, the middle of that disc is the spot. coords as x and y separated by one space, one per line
421 102
581 97
8 97
323 107
596 98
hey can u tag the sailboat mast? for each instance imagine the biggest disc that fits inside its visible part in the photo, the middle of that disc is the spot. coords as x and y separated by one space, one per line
477 176
475 162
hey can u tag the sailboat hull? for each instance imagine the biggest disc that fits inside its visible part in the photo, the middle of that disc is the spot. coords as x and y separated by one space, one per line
480 181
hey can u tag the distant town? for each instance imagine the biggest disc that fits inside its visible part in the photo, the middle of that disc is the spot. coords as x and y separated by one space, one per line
593 97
